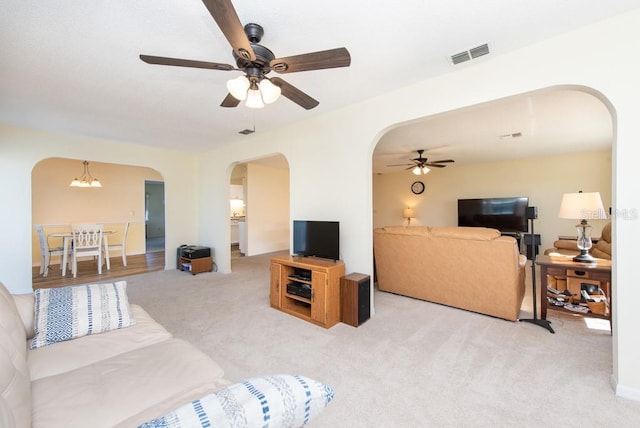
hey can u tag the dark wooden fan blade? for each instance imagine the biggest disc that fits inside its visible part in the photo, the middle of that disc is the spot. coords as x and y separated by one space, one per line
434 165
402 164
332 58
444 161
230 101
295 94
160 60
227 19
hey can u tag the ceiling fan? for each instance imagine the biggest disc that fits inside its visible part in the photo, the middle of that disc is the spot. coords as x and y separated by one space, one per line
420 165
256 61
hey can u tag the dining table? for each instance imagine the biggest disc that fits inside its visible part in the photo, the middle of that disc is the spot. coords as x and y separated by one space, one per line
67 238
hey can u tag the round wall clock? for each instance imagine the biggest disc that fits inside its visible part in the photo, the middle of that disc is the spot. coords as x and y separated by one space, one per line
417 187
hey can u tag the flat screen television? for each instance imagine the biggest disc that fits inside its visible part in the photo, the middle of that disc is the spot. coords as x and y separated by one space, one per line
504 214
316 239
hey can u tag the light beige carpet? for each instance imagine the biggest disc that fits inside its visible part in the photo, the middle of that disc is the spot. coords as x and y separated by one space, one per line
413 364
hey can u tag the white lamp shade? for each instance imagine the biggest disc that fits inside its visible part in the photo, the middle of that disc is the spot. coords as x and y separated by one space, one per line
580 206
254 99
408 213
270 92
238 87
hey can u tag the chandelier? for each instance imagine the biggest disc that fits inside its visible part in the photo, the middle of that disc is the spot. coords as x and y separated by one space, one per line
86 180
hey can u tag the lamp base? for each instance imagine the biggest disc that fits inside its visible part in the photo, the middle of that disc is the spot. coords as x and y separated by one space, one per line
584 257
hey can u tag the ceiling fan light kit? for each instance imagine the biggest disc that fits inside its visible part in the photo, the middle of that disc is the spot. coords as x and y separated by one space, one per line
256 61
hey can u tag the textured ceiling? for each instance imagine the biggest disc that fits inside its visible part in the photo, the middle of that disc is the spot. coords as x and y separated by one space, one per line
72 66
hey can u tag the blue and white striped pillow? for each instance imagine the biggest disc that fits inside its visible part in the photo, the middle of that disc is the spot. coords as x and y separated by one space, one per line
68 312
267 402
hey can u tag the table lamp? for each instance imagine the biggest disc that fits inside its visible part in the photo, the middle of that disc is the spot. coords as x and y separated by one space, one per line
582 206
408 213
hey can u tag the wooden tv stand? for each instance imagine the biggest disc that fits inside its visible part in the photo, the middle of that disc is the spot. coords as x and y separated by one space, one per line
323 276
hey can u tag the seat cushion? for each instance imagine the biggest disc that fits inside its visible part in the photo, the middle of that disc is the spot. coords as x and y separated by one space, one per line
83 351
161 377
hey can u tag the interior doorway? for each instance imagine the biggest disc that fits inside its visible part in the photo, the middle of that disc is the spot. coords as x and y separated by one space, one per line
259 207
154 225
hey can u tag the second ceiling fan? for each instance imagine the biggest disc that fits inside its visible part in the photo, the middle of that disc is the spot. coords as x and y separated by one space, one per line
256 61
420 165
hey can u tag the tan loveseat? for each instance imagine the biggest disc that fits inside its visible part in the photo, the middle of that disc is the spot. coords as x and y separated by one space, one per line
470 268
122 377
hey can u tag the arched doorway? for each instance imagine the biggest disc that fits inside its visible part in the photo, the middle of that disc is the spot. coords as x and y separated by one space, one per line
121 200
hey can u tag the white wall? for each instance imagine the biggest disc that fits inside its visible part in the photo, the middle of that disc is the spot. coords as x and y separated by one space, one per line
330 155
330 162
543 180
21 149
267 209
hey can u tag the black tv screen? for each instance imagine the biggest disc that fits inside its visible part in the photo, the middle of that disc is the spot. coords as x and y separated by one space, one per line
504 214
316 239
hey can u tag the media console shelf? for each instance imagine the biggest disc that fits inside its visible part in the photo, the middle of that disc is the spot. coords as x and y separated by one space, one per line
322 306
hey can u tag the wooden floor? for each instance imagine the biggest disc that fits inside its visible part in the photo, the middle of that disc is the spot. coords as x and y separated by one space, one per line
88 271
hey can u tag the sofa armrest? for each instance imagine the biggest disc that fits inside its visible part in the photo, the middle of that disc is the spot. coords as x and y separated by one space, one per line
25 304
566 244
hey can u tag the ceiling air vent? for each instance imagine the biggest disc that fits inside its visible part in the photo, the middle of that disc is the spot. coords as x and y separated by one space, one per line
472 53
460 57
479 51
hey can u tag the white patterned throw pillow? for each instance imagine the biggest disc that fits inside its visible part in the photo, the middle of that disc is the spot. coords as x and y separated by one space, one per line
267 402
69 312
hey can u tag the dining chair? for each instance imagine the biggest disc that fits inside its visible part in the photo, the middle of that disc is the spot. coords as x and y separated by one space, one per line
122 246
46 251
87 241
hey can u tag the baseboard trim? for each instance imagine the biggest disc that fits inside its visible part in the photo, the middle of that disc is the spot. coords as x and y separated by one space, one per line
625 391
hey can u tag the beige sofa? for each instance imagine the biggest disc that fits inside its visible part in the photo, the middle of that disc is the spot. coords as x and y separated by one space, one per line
122 377
470 268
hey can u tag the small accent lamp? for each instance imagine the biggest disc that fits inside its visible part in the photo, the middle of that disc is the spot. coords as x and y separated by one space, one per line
582 206
418 170
86 180
408 213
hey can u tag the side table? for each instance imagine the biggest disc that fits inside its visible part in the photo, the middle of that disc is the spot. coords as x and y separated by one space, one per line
564 266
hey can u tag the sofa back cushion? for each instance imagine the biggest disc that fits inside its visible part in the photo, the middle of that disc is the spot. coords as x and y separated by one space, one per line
406 230
15 383
475 233
605 235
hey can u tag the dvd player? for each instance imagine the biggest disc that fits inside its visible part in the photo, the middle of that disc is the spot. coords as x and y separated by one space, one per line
299 289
